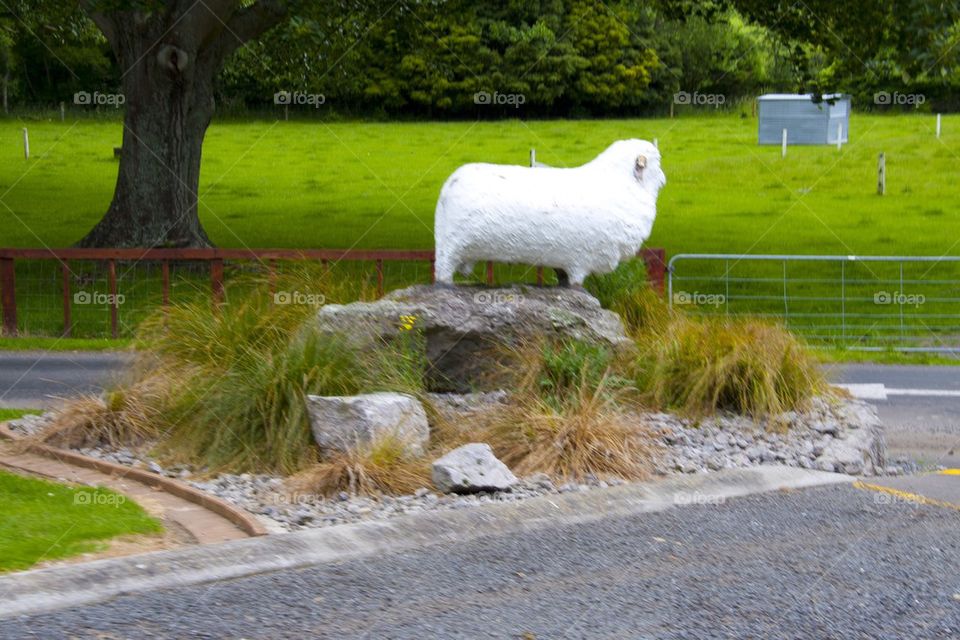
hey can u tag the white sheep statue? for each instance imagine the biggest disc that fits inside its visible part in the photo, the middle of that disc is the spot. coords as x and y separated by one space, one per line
581 221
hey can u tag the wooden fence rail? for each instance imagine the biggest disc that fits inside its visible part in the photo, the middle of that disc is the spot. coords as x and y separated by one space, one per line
655 260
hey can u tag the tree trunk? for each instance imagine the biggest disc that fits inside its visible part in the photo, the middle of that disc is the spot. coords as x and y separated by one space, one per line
169 55
169 104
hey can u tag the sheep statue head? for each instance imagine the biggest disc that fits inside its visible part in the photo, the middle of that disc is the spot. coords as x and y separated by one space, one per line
581 220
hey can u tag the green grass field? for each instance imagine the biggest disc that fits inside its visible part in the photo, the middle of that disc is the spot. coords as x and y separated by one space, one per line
45 520
298 184
374 185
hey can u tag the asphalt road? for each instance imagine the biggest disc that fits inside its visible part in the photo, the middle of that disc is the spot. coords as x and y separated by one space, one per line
38 379
821 563
921 410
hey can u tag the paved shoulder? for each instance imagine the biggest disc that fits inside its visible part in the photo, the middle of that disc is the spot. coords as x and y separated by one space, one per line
37 379
814 563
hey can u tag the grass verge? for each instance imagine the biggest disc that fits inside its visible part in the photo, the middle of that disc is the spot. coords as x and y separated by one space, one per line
45 520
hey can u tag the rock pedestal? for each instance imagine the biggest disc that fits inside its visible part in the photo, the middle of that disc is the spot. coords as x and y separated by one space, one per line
470 469
463 326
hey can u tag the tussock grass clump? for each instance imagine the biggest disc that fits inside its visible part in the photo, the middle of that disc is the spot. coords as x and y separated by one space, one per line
238 375
569 416
627 292
381 467
746 366
120 417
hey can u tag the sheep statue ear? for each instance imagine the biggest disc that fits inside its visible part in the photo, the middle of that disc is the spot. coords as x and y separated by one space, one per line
640 166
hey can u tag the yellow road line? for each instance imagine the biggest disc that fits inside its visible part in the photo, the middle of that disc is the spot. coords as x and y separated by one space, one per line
906 495
950 472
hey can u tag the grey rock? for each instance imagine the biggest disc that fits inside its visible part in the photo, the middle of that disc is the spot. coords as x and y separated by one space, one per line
342 422
463 326
471 468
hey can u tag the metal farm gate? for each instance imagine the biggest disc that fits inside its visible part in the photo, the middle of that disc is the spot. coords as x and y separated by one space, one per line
904 303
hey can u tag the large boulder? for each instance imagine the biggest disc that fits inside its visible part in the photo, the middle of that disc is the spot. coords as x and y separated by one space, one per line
463 326
341 423
858 446
470 469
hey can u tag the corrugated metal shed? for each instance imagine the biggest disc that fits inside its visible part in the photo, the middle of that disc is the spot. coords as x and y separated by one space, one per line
806 121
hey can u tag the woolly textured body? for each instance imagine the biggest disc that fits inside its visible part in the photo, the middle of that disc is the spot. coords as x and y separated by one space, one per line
582 220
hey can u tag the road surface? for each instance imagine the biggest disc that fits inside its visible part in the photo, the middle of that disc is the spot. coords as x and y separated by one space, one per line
820 563
39 379
919 406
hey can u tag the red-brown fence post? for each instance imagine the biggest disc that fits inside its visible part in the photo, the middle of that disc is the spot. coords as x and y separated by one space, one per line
165 286
539 276
216 281
114 308
8 294
67 315
490 272
655 261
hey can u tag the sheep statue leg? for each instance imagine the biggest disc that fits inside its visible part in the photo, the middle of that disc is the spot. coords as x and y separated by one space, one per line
563 279
444 265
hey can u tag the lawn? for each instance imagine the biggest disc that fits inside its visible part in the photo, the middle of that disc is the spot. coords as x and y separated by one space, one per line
13 414
374 185
45 520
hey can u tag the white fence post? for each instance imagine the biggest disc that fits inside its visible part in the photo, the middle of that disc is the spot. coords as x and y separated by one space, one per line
938 125
839 136
783 147
533 157
26 144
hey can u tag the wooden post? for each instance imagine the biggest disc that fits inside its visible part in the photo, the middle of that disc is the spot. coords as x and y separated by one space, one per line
882 174
165 276
8 294
783 145
938 126
26 144
671 109
67 315
63 112
753 108
839 136
216 281
533 157
490 272
114 309
539 276
380 277
433 270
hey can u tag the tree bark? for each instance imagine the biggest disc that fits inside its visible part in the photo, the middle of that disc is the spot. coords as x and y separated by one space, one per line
169 60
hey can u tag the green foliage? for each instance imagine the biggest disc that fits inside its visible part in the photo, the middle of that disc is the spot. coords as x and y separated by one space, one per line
236 378
568 366
45 521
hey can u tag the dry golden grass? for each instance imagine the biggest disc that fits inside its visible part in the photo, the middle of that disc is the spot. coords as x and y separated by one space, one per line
569 416
594 435
381 467
121 417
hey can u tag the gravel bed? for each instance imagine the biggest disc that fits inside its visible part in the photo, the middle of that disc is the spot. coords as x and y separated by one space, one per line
808 440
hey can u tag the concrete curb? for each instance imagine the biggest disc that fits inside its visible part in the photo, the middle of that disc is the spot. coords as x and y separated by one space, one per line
73 585
246 522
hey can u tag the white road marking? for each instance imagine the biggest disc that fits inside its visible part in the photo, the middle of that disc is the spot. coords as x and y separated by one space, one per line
879 391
